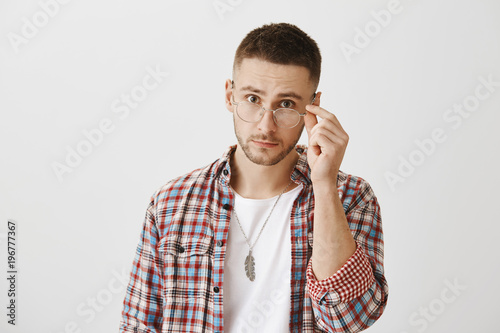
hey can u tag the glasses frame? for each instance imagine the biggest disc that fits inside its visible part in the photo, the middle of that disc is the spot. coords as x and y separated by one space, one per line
233 102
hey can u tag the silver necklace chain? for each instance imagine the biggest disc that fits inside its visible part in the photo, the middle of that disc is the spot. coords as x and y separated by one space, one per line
250 260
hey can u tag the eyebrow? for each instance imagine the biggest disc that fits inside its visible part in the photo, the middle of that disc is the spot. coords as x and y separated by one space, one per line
289 94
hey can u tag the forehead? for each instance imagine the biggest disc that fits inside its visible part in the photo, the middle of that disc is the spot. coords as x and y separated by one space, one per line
273 78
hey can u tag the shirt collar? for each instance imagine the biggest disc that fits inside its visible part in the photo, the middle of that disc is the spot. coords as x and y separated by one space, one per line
301 173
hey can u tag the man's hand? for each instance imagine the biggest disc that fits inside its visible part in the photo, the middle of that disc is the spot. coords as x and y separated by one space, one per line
333 242
327 144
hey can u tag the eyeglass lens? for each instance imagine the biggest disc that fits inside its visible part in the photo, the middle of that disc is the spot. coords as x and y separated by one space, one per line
251 112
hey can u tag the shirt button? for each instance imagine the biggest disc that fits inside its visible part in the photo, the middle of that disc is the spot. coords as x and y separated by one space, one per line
225 172
216 289
226 206
181 250
220 243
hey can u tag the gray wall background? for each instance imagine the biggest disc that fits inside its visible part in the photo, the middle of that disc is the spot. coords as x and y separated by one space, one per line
407 79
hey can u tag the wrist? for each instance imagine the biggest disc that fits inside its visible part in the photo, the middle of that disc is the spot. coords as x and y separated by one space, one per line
328 186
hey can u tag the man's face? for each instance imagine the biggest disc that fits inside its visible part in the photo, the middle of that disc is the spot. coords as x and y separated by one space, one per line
272 86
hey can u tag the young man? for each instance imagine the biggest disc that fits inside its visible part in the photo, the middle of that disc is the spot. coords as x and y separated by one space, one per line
271 237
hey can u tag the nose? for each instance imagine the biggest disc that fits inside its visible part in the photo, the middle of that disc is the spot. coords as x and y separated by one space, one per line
266 123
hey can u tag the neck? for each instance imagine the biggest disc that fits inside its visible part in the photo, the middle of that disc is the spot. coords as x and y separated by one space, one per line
256 181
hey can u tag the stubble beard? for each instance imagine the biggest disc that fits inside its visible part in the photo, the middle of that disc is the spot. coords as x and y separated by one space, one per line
264 159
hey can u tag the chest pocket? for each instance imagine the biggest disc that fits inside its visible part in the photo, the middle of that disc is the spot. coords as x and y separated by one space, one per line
187 263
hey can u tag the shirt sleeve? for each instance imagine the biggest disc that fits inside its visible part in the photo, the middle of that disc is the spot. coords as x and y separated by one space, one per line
350 281
355 296
142 307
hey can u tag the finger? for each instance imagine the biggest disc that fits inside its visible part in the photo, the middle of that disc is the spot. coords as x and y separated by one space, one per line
310 120
330 129
322 113
320 129
322 143
328 148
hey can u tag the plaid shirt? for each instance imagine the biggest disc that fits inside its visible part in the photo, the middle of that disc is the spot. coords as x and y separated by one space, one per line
178 272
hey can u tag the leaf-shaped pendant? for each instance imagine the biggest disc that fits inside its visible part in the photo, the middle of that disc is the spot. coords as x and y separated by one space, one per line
250 266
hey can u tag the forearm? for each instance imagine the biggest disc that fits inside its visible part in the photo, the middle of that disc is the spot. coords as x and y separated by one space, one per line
355 296
333 240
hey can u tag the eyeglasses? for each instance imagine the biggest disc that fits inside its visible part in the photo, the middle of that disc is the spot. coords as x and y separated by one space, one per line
283 117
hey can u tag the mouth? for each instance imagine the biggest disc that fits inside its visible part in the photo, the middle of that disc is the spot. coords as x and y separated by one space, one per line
264 144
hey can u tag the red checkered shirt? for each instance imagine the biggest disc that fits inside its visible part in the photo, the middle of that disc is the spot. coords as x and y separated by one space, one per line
178 272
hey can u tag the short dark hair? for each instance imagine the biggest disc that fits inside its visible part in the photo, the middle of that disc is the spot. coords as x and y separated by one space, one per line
283 44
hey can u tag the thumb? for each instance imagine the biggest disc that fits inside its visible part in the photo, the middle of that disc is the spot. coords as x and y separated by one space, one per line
310 120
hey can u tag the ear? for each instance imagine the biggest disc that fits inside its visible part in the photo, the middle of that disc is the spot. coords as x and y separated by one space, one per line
228 94
317 99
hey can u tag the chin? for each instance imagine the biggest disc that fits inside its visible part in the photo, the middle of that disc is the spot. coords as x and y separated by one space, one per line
262 156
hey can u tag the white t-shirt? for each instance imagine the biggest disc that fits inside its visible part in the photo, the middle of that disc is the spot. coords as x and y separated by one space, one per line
264 304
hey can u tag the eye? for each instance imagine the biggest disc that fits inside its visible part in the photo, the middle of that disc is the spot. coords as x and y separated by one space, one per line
287 104
252 99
